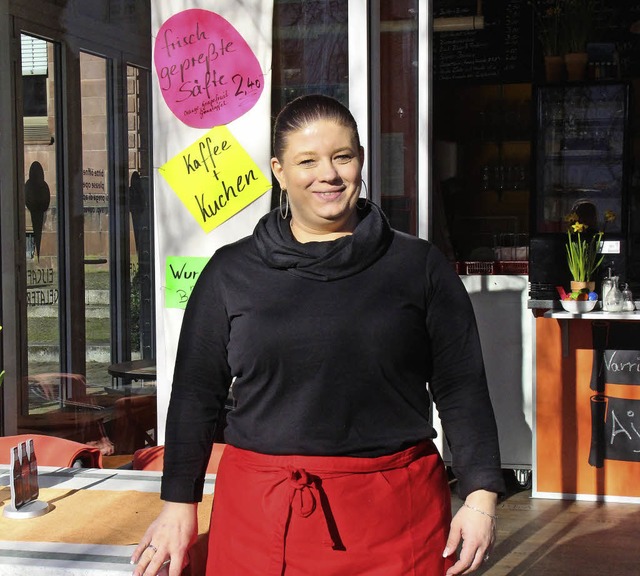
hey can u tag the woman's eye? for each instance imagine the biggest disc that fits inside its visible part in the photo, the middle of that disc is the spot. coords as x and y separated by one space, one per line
344 157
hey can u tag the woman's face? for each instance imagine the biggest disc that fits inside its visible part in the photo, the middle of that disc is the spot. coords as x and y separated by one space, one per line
320 169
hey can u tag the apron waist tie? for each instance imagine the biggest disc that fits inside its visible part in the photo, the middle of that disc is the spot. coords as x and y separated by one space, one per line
305 493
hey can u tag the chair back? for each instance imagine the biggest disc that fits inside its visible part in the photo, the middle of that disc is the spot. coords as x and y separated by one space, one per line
152 458
53 451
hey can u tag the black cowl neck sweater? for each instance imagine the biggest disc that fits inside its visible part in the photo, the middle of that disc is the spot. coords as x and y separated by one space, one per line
330 347
324 261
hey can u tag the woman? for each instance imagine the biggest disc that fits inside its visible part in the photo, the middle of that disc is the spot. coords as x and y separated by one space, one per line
331 324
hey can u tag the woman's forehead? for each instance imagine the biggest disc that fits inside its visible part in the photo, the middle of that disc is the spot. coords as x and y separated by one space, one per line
323 128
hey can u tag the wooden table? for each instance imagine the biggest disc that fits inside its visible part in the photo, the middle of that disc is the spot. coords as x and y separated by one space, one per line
97 516
144 369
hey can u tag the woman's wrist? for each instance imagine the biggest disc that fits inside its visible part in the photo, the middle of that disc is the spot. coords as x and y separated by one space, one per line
482 502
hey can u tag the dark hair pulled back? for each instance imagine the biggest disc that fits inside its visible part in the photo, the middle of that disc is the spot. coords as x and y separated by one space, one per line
304 110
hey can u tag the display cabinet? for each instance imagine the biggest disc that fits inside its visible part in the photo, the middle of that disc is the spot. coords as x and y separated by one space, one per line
580 166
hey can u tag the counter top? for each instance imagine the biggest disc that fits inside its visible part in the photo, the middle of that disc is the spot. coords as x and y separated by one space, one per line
593 315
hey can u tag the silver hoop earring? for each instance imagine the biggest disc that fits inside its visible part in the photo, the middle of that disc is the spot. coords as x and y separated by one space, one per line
284 213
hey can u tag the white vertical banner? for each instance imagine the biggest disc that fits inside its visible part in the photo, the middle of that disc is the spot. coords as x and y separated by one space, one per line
211 147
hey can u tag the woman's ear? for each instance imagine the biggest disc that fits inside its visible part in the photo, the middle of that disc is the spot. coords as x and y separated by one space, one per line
278 172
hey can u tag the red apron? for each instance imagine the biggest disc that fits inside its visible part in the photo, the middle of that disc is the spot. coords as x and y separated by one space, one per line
330 516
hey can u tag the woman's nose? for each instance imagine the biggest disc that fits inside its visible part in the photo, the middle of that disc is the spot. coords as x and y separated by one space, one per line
328 171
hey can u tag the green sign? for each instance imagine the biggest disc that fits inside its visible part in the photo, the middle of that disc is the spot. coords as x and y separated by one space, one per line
181 273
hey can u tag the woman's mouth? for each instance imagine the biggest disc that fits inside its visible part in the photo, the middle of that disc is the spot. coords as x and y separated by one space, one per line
328 196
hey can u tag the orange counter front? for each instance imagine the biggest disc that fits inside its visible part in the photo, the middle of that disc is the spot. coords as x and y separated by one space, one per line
587 407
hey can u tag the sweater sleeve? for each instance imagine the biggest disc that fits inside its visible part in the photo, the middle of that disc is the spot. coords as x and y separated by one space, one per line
200 386
458 381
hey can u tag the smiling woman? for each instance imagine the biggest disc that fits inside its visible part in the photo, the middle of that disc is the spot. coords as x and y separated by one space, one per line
318 165
329 323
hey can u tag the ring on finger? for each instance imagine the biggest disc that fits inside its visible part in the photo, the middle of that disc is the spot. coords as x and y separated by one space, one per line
152 547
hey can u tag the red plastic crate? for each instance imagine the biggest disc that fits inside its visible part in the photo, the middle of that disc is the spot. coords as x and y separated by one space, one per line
481 267
514 266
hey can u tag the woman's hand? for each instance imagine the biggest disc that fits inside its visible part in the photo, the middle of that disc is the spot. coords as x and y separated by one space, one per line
474 525
168 538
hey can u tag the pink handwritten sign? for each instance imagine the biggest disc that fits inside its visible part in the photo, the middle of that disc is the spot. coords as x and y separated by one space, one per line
208 74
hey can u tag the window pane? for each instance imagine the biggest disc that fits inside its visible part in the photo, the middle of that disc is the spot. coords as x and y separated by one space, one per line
310 53
399 112
140 313
310 50
95 199
43 395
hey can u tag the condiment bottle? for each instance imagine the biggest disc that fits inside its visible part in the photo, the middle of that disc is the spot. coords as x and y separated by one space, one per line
24 465
628 304
613 298
606 286
17 493
607 282
34 489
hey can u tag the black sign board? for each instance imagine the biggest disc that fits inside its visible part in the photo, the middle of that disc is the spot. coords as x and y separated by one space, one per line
615 430
499 52
615 422
616 356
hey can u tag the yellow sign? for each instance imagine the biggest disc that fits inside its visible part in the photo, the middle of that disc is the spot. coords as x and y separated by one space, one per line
215 178
181 273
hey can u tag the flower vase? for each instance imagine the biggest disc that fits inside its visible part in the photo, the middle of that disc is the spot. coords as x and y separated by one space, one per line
577 286
576 66
554 68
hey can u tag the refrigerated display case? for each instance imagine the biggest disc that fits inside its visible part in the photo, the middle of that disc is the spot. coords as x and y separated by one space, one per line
580 164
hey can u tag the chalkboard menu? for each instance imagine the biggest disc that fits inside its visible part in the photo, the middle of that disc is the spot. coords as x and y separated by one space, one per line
616 355
500 52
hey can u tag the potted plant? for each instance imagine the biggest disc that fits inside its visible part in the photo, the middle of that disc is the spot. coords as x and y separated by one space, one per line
577 24
583 256
548 22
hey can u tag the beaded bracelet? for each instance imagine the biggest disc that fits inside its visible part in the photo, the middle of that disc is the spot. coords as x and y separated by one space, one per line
492 516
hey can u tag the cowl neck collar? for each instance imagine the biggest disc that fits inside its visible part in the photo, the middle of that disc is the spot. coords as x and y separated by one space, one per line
328 260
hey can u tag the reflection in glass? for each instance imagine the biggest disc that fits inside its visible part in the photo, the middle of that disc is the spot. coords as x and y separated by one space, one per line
41 224
399 112
310 54
310 50
140 313
580 154
95 200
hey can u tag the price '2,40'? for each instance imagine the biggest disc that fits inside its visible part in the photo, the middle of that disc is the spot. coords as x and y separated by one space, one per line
245 85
